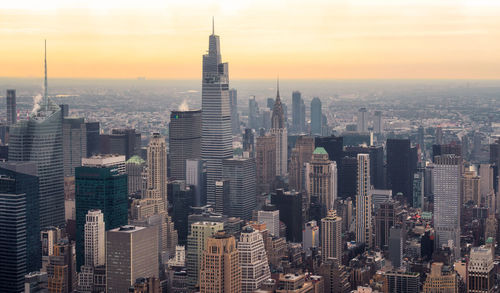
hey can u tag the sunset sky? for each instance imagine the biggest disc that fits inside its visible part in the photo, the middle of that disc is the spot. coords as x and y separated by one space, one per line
260 39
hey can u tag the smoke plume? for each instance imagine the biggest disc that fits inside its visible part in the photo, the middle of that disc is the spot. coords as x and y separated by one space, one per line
36 103
184 106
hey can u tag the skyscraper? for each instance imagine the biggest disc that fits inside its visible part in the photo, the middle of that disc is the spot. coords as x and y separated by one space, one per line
396 246
61 268
301 154
331 237
265 158
216 139
364 202
200 231
74 144
278 128
289 203
101 183
399 171
310 236
321 180
124 141
316 116
39 139
220 271
136 175
196 176
242 187
272 221
480 271
252 260
157 168
93 140
235 118
131 252
248 141
11 107
378 126
362 120
385 218
298 112
95 253
184 140
446 174
440 280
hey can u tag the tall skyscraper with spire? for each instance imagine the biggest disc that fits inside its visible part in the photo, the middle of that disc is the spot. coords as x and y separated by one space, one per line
216 139
278 128
39 139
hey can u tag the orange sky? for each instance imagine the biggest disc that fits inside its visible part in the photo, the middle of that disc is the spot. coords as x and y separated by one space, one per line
259 39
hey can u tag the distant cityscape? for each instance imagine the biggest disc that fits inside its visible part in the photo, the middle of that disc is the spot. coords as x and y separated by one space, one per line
305 186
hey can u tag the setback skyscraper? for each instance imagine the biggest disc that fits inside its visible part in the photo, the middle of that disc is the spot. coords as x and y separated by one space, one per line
184 141
278 128
157 168
39 139
216 139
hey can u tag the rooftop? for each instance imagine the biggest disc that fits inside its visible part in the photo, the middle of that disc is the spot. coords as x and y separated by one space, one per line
320 151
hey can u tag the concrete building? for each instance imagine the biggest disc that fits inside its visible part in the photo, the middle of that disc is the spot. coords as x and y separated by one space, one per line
331 237
446 174
471 188
61 270
402 282
396 241
321 180
136 175
310 236
363 202
362 120
252 260
271 219
157 168
441 280
184 141
220 270
131 253
200 231
301 154
265 158
480 270
385 218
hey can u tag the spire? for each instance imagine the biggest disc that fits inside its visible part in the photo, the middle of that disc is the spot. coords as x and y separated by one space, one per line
45 93
278 88
213 26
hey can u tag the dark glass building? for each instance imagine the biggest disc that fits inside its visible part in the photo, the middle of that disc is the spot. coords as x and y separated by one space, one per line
184 141
399 167
181 197
103 188
93 130
20 247
39 139
289 204
11 107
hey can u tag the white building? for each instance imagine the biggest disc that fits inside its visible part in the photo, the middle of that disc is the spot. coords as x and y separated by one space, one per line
446 174
310 236
272 221
364 202
95 245
331 237
252 260
106 161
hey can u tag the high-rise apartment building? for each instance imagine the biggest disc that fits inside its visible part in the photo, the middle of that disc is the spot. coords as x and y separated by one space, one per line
252 260
216 139
242 187
220 270
364 202
157 168
321 180
278 128
362 120
95 254
301 154
101 183
39 139
480 271
316 117
74 144
184 140
265 159
331 237
200 232
11 107
131 252
446 174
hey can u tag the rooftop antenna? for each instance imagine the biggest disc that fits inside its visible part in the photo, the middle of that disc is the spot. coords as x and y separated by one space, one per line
213 26
278 87
45 94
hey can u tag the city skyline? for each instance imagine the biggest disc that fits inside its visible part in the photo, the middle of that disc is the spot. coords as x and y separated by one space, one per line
321 40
